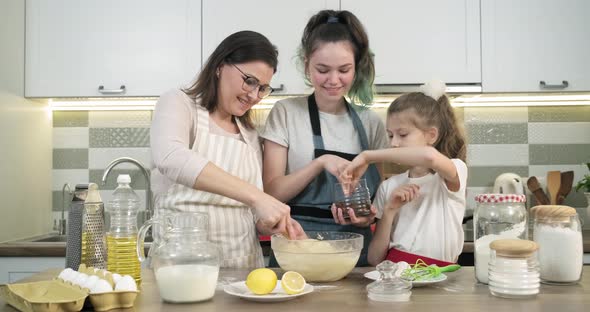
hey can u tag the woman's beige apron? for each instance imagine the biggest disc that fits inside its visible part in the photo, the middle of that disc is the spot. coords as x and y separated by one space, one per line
231 223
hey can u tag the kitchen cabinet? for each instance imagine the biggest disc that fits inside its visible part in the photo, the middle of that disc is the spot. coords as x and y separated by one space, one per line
110 48
535 45
13 269
282 22
417 41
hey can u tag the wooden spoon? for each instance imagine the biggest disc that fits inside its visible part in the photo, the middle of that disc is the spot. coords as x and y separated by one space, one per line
553 184
567 179
535 187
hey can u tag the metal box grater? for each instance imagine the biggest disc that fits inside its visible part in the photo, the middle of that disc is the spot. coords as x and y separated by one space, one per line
74 233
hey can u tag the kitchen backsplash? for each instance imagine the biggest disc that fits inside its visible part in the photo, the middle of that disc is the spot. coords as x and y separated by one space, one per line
525 140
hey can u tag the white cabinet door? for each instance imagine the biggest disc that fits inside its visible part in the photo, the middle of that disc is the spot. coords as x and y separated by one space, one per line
535 45
282 22
73 47
420 40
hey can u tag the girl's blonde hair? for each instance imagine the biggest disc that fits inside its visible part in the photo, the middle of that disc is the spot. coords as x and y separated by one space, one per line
434 113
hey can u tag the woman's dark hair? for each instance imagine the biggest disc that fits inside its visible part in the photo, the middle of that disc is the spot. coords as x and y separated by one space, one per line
240 47
334 26
432 113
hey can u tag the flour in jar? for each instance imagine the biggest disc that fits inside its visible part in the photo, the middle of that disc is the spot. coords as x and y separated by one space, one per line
561 252
482 249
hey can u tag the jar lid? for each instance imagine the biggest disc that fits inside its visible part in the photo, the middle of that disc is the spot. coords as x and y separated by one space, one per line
500 198
514 248
553 212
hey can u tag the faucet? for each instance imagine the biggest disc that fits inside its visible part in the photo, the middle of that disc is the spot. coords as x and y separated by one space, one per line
60 227
146 174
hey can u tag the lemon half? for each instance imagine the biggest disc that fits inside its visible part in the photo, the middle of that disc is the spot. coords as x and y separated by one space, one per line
261 281
292 282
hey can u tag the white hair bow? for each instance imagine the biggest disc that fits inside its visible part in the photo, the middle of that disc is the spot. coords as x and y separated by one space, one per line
434 89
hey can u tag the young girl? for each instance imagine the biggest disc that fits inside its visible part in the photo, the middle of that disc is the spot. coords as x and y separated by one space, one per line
420 211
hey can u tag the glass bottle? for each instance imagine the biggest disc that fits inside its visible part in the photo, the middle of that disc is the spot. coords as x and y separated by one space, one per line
558 232
514 269
497 216
186 264
122 234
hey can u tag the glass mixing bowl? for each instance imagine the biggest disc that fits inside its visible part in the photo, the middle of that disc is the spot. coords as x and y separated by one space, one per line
324 257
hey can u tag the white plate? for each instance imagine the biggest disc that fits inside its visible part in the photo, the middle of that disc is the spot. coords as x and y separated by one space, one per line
374 275
239 289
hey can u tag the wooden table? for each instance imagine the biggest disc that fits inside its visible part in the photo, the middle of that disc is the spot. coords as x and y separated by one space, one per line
458 293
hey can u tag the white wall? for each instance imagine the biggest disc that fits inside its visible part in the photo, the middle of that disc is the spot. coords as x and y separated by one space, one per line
25 138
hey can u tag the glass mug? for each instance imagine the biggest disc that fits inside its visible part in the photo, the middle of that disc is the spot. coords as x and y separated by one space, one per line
353 195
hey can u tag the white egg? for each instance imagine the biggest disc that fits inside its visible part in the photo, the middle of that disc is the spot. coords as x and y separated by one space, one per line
116 277
71 276
65 273
80 279
90 282
101 286
126 283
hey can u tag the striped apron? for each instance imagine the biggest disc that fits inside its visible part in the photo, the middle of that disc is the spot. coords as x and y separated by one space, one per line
231 223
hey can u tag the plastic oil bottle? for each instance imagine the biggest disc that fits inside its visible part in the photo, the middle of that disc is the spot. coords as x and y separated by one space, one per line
122 234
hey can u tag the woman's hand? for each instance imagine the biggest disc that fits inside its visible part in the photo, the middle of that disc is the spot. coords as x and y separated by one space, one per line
360 221
355 169
401 195
273 215
294 230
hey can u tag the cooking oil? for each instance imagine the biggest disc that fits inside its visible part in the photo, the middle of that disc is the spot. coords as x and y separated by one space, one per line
122 256
122 235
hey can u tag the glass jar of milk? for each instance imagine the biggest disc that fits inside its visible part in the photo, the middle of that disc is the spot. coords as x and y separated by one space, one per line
497 216
186 264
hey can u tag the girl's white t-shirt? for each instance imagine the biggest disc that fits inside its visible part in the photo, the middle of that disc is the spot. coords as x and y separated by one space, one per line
431 224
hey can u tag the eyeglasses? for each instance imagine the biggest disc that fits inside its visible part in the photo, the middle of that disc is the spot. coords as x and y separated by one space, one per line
251 83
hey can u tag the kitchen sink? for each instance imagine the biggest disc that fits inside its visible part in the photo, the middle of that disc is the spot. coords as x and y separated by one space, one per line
51 239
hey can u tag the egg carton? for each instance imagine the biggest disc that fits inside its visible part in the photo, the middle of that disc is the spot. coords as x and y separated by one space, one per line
44 296
59 295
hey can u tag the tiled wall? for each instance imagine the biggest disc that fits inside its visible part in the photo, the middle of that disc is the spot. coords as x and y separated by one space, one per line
525 140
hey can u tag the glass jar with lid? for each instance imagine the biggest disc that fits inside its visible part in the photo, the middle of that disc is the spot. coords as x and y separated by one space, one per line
497 216
388 287
514 269
185 264
558 232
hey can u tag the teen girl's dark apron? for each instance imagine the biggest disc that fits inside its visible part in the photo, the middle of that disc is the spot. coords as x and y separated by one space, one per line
311 207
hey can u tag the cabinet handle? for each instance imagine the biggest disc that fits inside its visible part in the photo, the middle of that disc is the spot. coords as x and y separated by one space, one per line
564 84
279 89
102 90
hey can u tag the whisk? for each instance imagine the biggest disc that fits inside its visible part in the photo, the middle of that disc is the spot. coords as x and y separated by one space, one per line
422 271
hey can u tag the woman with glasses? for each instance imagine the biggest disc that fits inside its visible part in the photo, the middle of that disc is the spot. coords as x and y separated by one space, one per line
206 153
309 139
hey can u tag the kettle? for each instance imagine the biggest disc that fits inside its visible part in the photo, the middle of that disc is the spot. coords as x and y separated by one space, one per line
509 183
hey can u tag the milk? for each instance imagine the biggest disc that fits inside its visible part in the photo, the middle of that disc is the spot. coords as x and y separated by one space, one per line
187 283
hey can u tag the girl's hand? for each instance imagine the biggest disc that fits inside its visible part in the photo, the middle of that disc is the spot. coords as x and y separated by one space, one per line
401 195
361 221
335 165
355 169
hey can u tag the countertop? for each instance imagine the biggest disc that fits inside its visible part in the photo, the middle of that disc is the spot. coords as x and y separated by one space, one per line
459 292
26 248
